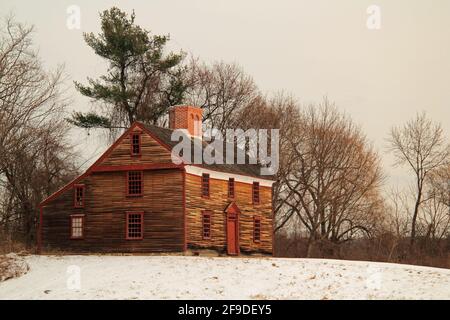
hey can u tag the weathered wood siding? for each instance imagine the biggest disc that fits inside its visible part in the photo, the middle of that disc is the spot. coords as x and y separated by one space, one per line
217 202
106 203
105 207
151 152
162 202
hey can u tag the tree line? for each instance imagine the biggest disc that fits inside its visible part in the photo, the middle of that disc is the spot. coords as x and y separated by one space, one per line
35 156
330 199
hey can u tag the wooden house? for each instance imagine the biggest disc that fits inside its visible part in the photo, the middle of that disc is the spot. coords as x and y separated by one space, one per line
134 198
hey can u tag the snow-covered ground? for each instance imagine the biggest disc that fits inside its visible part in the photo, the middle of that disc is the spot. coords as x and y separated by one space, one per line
180 277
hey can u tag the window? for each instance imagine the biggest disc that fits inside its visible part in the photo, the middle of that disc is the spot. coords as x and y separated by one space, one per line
76 226
135 144
255 192
256 229
78 196
231 188
205 185
206 225
134 226
134 183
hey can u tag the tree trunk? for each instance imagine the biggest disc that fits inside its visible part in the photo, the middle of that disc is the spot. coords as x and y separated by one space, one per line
416 212
29 224
310 247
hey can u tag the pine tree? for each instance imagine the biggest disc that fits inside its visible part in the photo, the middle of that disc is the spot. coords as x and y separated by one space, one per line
141 82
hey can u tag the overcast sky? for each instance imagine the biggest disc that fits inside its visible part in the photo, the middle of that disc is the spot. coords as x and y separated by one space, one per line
308 48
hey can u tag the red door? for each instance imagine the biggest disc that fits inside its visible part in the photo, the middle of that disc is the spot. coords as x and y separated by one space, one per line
232 235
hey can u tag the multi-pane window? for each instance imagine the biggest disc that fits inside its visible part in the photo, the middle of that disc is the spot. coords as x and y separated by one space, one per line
206 225
231 188
135 144
79 196
134 227
255 192
134 183
76 226
256 229
205 185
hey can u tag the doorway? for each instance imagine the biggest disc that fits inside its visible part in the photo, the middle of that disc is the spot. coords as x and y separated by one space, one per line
232 234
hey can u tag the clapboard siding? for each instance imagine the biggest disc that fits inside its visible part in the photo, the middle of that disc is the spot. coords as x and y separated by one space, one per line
105 207
151 152
216 203
171 202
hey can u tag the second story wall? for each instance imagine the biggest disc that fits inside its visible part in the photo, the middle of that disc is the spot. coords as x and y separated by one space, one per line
216 203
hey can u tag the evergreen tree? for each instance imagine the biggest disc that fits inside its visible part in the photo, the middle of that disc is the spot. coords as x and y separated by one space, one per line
141 81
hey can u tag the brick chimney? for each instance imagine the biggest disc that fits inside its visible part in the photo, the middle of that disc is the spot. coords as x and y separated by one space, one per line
186 117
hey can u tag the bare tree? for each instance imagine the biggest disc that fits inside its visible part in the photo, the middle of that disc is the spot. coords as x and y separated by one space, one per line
440 182
421 145
435 220
282 112
398 221
35 157
222 90
332 177
28 95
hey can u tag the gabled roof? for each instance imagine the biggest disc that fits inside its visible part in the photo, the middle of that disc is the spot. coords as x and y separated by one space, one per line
232 208
163 137
253 170
90 169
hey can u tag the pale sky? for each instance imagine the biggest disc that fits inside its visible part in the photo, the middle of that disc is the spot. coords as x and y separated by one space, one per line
308 48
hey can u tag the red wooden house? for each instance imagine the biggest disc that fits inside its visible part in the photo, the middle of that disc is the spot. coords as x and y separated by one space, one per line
135 199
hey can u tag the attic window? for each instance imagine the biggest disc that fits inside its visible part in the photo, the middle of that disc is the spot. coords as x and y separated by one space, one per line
206 225
136 144
134 226
205 185
231 188
255 193
134 183
256 229
78 200
76 226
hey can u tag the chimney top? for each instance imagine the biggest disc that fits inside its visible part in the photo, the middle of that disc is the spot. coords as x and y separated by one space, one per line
186 117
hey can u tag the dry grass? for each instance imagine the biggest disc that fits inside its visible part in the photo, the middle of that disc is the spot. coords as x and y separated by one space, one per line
382 250
12 266
8 246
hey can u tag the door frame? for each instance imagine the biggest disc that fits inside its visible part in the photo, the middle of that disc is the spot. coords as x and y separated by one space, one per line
236 233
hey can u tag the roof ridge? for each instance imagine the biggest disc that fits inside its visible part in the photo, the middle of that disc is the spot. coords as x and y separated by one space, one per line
164 135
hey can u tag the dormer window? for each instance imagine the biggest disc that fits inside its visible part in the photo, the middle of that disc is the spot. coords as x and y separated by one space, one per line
135 144
78 196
